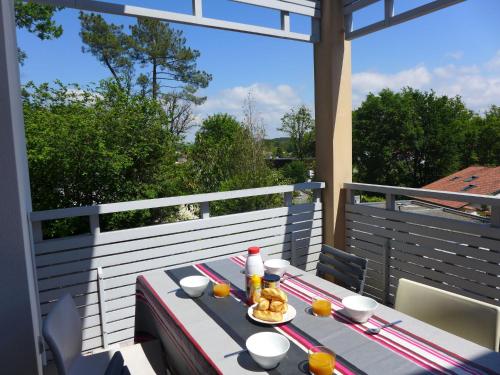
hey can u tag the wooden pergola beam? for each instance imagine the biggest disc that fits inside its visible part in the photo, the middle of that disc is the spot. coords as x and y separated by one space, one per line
333 112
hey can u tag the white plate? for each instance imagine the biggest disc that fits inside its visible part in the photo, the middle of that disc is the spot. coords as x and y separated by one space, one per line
289 315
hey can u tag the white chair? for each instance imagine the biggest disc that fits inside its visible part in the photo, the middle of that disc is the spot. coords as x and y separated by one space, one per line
62 330
473 320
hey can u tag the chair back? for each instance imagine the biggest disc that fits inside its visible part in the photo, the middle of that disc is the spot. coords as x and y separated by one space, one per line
62 330
473 320
340 267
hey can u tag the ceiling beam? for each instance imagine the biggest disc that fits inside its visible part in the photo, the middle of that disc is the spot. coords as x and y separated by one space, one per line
389 18
198 19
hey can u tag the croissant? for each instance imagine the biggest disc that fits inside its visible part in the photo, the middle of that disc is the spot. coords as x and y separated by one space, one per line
274 294
263 304
268 316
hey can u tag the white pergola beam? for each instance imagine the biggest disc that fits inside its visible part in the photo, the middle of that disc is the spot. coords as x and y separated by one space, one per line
134 11
285 20
310 10
389 18
19 314
197 8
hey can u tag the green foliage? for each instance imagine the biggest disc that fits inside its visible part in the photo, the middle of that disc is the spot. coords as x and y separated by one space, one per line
279 147
97 145
226 156
297 171
371 198
37 19
299 125
488 138
409 138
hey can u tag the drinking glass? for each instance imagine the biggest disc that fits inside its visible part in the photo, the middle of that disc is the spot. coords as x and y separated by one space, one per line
321 307
221 289
321 360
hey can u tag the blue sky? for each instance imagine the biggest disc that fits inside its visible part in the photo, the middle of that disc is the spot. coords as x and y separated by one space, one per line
453 51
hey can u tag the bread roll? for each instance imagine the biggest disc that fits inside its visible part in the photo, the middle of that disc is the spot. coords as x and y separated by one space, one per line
262 304
268 316
274 294
276 306
285 308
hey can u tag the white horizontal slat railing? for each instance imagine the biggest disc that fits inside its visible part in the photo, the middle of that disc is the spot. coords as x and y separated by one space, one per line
461 256
99 269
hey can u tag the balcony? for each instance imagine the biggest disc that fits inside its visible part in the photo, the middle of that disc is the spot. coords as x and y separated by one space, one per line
100 268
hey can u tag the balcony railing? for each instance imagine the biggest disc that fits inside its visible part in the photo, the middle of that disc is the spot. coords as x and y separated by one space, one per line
449 253
99 269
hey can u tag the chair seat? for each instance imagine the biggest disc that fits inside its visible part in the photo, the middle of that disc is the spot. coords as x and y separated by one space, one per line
145 358
91 364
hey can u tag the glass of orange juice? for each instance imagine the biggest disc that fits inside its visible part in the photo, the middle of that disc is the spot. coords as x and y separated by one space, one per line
321 360
221 289
321 307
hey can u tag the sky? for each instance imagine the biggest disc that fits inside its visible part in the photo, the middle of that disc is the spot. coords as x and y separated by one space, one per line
455 51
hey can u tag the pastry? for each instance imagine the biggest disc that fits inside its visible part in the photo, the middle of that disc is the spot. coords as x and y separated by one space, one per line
274 294
284 309
262 304
276 306
268 316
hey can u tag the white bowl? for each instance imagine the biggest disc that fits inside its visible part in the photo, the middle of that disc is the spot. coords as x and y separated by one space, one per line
194 286
359 308
276 266
267 348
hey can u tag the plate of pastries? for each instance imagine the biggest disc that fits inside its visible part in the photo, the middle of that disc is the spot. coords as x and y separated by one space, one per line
272 307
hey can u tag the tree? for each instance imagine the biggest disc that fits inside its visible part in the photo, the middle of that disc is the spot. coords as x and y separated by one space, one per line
171 63
224 157
297 171
97 145
155 58
110 45
489 138
409 138
37 19
299 125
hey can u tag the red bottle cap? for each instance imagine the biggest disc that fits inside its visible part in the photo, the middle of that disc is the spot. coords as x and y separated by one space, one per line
253 250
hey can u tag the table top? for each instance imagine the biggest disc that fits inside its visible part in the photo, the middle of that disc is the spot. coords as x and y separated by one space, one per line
218 327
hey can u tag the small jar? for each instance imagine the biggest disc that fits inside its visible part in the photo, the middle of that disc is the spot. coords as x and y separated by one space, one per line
271 281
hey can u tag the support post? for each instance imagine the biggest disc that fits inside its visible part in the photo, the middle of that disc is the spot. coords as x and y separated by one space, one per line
333 108
288 198
285 20
20 339
95 227
204 210
102 307
197 8
390 202
495 216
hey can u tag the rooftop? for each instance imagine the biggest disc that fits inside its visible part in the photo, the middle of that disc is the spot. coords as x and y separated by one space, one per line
475 179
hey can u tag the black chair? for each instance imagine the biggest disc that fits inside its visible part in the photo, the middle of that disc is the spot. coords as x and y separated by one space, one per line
342 268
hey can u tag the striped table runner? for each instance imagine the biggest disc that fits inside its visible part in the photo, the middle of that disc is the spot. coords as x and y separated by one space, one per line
394 350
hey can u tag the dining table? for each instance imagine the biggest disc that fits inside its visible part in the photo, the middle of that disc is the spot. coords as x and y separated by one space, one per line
207 335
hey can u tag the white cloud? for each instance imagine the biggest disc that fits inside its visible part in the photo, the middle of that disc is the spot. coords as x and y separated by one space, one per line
271 102
494 63
455 55
366 82
478 85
